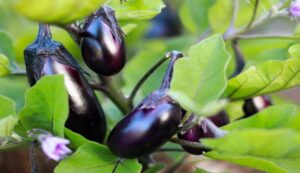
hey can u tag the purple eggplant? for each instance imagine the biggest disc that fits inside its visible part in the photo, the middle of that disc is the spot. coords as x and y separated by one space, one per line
102 43
48 57
206 129
150 124
253 105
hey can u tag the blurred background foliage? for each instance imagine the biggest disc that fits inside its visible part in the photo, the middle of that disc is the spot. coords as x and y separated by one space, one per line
181 24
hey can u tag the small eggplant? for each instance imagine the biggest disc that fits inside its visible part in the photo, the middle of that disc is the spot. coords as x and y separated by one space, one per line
208 128
253 105
48 57
102 43
150 124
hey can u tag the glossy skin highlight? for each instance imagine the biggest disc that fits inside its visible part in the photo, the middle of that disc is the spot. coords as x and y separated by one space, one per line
102 50
254 105
144 130
47 57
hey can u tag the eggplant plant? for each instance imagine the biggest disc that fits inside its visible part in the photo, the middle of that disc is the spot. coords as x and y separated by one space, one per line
96 94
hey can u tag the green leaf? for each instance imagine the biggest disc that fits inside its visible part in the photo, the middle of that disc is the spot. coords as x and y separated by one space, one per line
220 15
282 165
7 125
8 117
137 9
205 67
199 170
46 105
265 78
7 107
76 139
155 168
6 46
278 116
193 15
62 12
94 158
4 65
294 51
267 150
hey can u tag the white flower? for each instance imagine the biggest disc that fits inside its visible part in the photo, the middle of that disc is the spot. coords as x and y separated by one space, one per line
54 147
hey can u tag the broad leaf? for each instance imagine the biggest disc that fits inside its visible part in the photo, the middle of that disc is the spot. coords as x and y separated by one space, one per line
8 117
76 139
62 12
46 105
199 170
4 65
294 51
278 165
265 78
7 107
94 158
267 150
278 116
200 77
6 46
137 9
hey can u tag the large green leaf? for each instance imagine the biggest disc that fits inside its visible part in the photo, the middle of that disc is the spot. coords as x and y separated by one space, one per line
264 78
76 139
200 77
94 158
137 9
4 65
56 11
46 105
278 116
266 150
278 165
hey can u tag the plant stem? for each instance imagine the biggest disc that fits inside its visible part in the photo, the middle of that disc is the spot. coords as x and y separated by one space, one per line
267 37
239 58
188 143
144 78
111 92
253 15
170 150
32 155
73 31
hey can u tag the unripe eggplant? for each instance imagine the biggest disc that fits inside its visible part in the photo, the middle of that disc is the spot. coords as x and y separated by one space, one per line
102 43
150 124
48 57
253 105
208 128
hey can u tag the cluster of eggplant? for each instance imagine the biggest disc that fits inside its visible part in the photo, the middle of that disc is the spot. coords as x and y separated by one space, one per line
103 49
151 123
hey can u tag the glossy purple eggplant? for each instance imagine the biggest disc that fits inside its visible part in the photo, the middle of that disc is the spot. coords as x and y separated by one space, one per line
102 43
48 57
253 105
150 124
206 129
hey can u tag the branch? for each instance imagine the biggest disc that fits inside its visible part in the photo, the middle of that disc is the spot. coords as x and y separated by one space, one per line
253 15
111 92
188 143
144 78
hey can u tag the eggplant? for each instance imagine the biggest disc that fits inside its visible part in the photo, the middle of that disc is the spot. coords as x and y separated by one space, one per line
48 57
102 43
152 123
208 128
253 105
